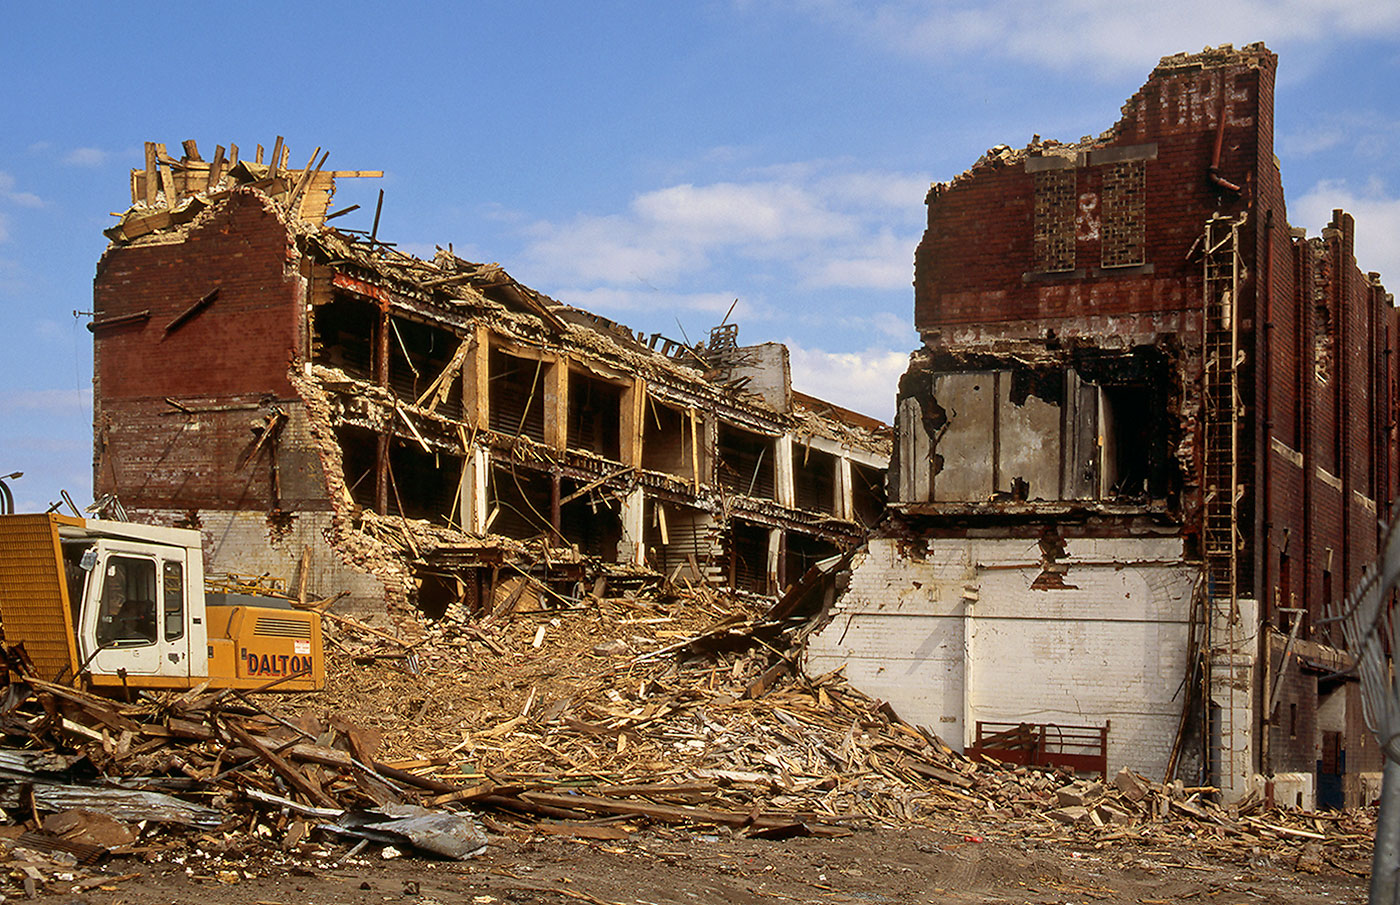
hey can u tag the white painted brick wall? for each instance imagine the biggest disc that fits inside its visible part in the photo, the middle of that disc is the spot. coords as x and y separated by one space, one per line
244 543
959 635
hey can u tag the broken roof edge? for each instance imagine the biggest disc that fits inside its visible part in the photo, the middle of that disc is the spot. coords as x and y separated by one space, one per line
445 282
1254 55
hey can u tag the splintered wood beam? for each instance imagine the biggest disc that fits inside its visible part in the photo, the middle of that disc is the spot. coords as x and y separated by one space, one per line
150 174
282 767
378 208
191 149
167 175
232 156
343 211
274 163
191 311
215 169
312 168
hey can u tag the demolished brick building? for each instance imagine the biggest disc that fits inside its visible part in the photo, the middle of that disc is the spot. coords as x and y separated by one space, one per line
1143 447
328 409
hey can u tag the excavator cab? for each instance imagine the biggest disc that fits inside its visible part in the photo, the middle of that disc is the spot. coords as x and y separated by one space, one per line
120 604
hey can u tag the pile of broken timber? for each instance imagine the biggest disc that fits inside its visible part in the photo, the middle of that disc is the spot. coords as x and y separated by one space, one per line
622 725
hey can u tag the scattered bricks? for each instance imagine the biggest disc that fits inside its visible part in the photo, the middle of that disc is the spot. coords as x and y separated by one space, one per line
1072 815
1079 794
1132 787
1107 813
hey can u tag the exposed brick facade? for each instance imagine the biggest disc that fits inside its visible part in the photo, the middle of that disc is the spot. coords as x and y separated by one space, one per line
1120 309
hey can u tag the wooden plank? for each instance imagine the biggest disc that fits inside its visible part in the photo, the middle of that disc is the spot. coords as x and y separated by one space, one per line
150 174
167 175
191 149
274 163
283 767
215 169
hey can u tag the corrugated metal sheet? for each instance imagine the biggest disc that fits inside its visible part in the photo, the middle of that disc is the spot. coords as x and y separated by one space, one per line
34 595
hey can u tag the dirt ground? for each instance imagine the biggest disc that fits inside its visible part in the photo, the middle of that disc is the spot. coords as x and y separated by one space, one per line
664 866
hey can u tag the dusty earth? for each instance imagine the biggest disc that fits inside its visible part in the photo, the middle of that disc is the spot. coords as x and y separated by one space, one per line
663 866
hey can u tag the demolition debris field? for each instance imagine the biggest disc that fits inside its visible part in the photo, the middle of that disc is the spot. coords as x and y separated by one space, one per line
656 746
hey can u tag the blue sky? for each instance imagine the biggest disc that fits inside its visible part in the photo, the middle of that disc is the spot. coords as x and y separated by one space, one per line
650 161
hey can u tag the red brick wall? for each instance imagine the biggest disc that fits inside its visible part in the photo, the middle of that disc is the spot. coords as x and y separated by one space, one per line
236 352
979 244
242 342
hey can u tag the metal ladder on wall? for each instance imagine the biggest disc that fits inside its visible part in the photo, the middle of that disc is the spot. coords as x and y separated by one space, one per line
1227 682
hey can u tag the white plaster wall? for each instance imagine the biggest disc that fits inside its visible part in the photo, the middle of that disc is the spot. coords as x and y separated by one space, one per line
960 635
244 543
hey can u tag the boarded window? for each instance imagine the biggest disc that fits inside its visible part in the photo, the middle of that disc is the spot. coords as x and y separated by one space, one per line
1054 220
1124 213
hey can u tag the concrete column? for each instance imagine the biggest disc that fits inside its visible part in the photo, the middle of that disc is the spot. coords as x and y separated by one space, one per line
845 490
784 487
632 548
472 490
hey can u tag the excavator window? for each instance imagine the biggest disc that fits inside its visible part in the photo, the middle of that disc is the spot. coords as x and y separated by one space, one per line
173 590
127 615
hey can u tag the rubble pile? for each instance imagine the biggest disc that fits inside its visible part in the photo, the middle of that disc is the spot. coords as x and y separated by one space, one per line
591 718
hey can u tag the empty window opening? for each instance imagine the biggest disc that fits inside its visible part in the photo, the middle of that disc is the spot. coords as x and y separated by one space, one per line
748 557
667 443
804 551
343 333
358 453
814 479
418 355
595 416
1293 720
867 493
745 462
421 485
591 522
517 395
1322 344
519 503
1285 590
1133 443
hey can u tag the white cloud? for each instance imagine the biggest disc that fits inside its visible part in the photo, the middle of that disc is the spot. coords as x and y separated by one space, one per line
85 157
862 381
811 224
1377 218
8 193
1369 134
883 261
1103 36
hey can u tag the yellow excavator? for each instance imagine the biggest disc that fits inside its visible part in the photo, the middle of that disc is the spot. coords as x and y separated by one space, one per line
104 604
